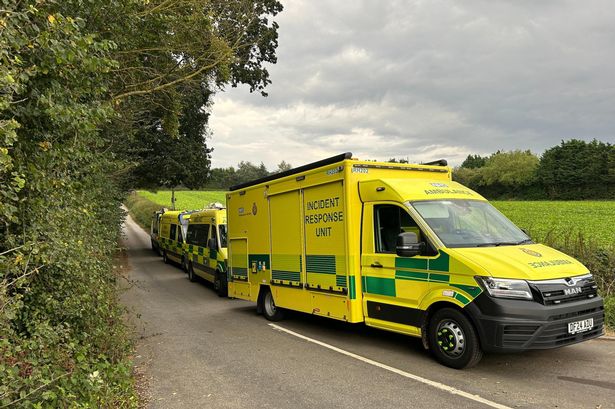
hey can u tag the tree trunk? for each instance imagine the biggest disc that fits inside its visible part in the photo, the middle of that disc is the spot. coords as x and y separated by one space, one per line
172 198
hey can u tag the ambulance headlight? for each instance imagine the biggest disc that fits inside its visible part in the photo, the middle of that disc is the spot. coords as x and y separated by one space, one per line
506 288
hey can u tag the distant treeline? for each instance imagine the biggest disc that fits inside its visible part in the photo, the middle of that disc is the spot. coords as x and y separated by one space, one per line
573 170
223 178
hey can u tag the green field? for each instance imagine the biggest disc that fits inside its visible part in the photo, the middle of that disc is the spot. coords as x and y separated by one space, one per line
593 219
185 199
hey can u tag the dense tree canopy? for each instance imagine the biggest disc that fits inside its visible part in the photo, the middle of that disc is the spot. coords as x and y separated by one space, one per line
574 169
89 91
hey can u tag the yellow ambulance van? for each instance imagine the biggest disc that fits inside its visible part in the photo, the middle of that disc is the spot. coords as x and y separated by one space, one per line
154 233
172 236
403 248
205 249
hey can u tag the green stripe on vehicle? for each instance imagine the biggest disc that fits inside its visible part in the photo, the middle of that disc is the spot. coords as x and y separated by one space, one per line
462 298
381 286
442 278
286 275
408 262
440 263
473 291
320 264
352 290
411 275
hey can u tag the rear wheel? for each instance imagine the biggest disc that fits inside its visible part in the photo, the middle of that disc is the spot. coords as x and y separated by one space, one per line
453 340
164 257
191 276
220 284
268 307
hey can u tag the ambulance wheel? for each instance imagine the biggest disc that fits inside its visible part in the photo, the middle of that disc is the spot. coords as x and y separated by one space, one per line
220 284
184 264
268 307
165 258
453 340
191 276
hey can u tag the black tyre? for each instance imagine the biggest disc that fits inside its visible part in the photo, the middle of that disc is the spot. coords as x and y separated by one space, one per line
165 258
191 276
453 340
220 284
268 307
185 264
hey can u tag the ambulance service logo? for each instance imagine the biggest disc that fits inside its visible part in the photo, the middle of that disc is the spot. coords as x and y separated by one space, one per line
254 209
531 252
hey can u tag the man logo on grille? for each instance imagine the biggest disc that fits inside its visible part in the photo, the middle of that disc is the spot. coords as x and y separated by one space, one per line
572 291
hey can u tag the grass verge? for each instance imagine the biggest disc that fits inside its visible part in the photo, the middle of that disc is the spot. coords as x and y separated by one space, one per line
141 209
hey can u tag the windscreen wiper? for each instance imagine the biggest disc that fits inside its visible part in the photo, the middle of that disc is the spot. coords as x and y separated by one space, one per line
504 243
526 241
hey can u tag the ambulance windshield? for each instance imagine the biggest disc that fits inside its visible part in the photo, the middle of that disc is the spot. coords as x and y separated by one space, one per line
469 223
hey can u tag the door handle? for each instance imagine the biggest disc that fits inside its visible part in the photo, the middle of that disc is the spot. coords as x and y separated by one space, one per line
376 264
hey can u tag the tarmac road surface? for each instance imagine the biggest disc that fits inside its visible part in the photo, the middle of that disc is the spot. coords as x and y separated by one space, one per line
197 350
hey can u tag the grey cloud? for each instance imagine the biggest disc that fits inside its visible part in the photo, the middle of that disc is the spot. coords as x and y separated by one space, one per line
472 76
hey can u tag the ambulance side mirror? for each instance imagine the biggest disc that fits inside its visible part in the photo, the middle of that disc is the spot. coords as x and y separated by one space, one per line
408 245
212 244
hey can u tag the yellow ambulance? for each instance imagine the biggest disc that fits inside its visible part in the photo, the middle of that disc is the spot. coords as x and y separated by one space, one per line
205 250
403 248
154 230
171 235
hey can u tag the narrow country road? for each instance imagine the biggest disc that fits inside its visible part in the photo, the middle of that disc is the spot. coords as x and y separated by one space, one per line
202 351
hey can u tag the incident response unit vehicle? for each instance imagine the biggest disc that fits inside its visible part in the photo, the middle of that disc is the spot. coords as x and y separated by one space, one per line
403 248
205 247
172 235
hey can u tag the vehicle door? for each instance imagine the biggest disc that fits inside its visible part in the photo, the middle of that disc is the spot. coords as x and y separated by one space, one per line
393 286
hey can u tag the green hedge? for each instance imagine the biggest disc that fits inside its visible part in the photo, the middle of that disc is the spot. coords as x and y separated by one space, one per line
141 209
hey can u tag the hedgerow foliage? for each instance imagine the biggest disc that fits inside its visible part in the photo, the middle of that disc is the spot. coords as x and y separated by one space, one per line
77 78
62 340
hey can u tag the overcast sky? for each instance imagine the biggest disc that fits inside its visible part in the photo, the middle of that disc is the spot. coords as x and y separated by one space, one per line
425 80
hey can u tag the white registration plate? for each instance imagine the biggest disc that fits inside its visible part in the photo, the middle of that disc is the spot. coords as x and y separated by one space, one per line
580 326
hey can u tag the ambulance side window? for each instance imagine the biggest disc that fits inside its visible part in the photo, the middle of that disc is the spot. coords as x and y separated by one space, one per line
172 234
203 235
190 234
179 235
389 221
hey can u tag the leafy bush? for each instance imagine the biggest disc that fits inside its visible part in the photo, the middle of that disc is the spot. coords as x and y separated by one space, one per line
63 341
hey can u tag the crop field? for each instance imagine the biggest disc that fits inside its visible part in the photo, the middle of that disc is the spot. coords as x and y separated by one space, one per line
593 219
185 199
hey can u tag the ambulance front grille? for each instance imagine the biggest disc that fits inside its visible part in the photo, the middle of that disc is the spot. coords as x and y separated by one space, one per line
556 292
